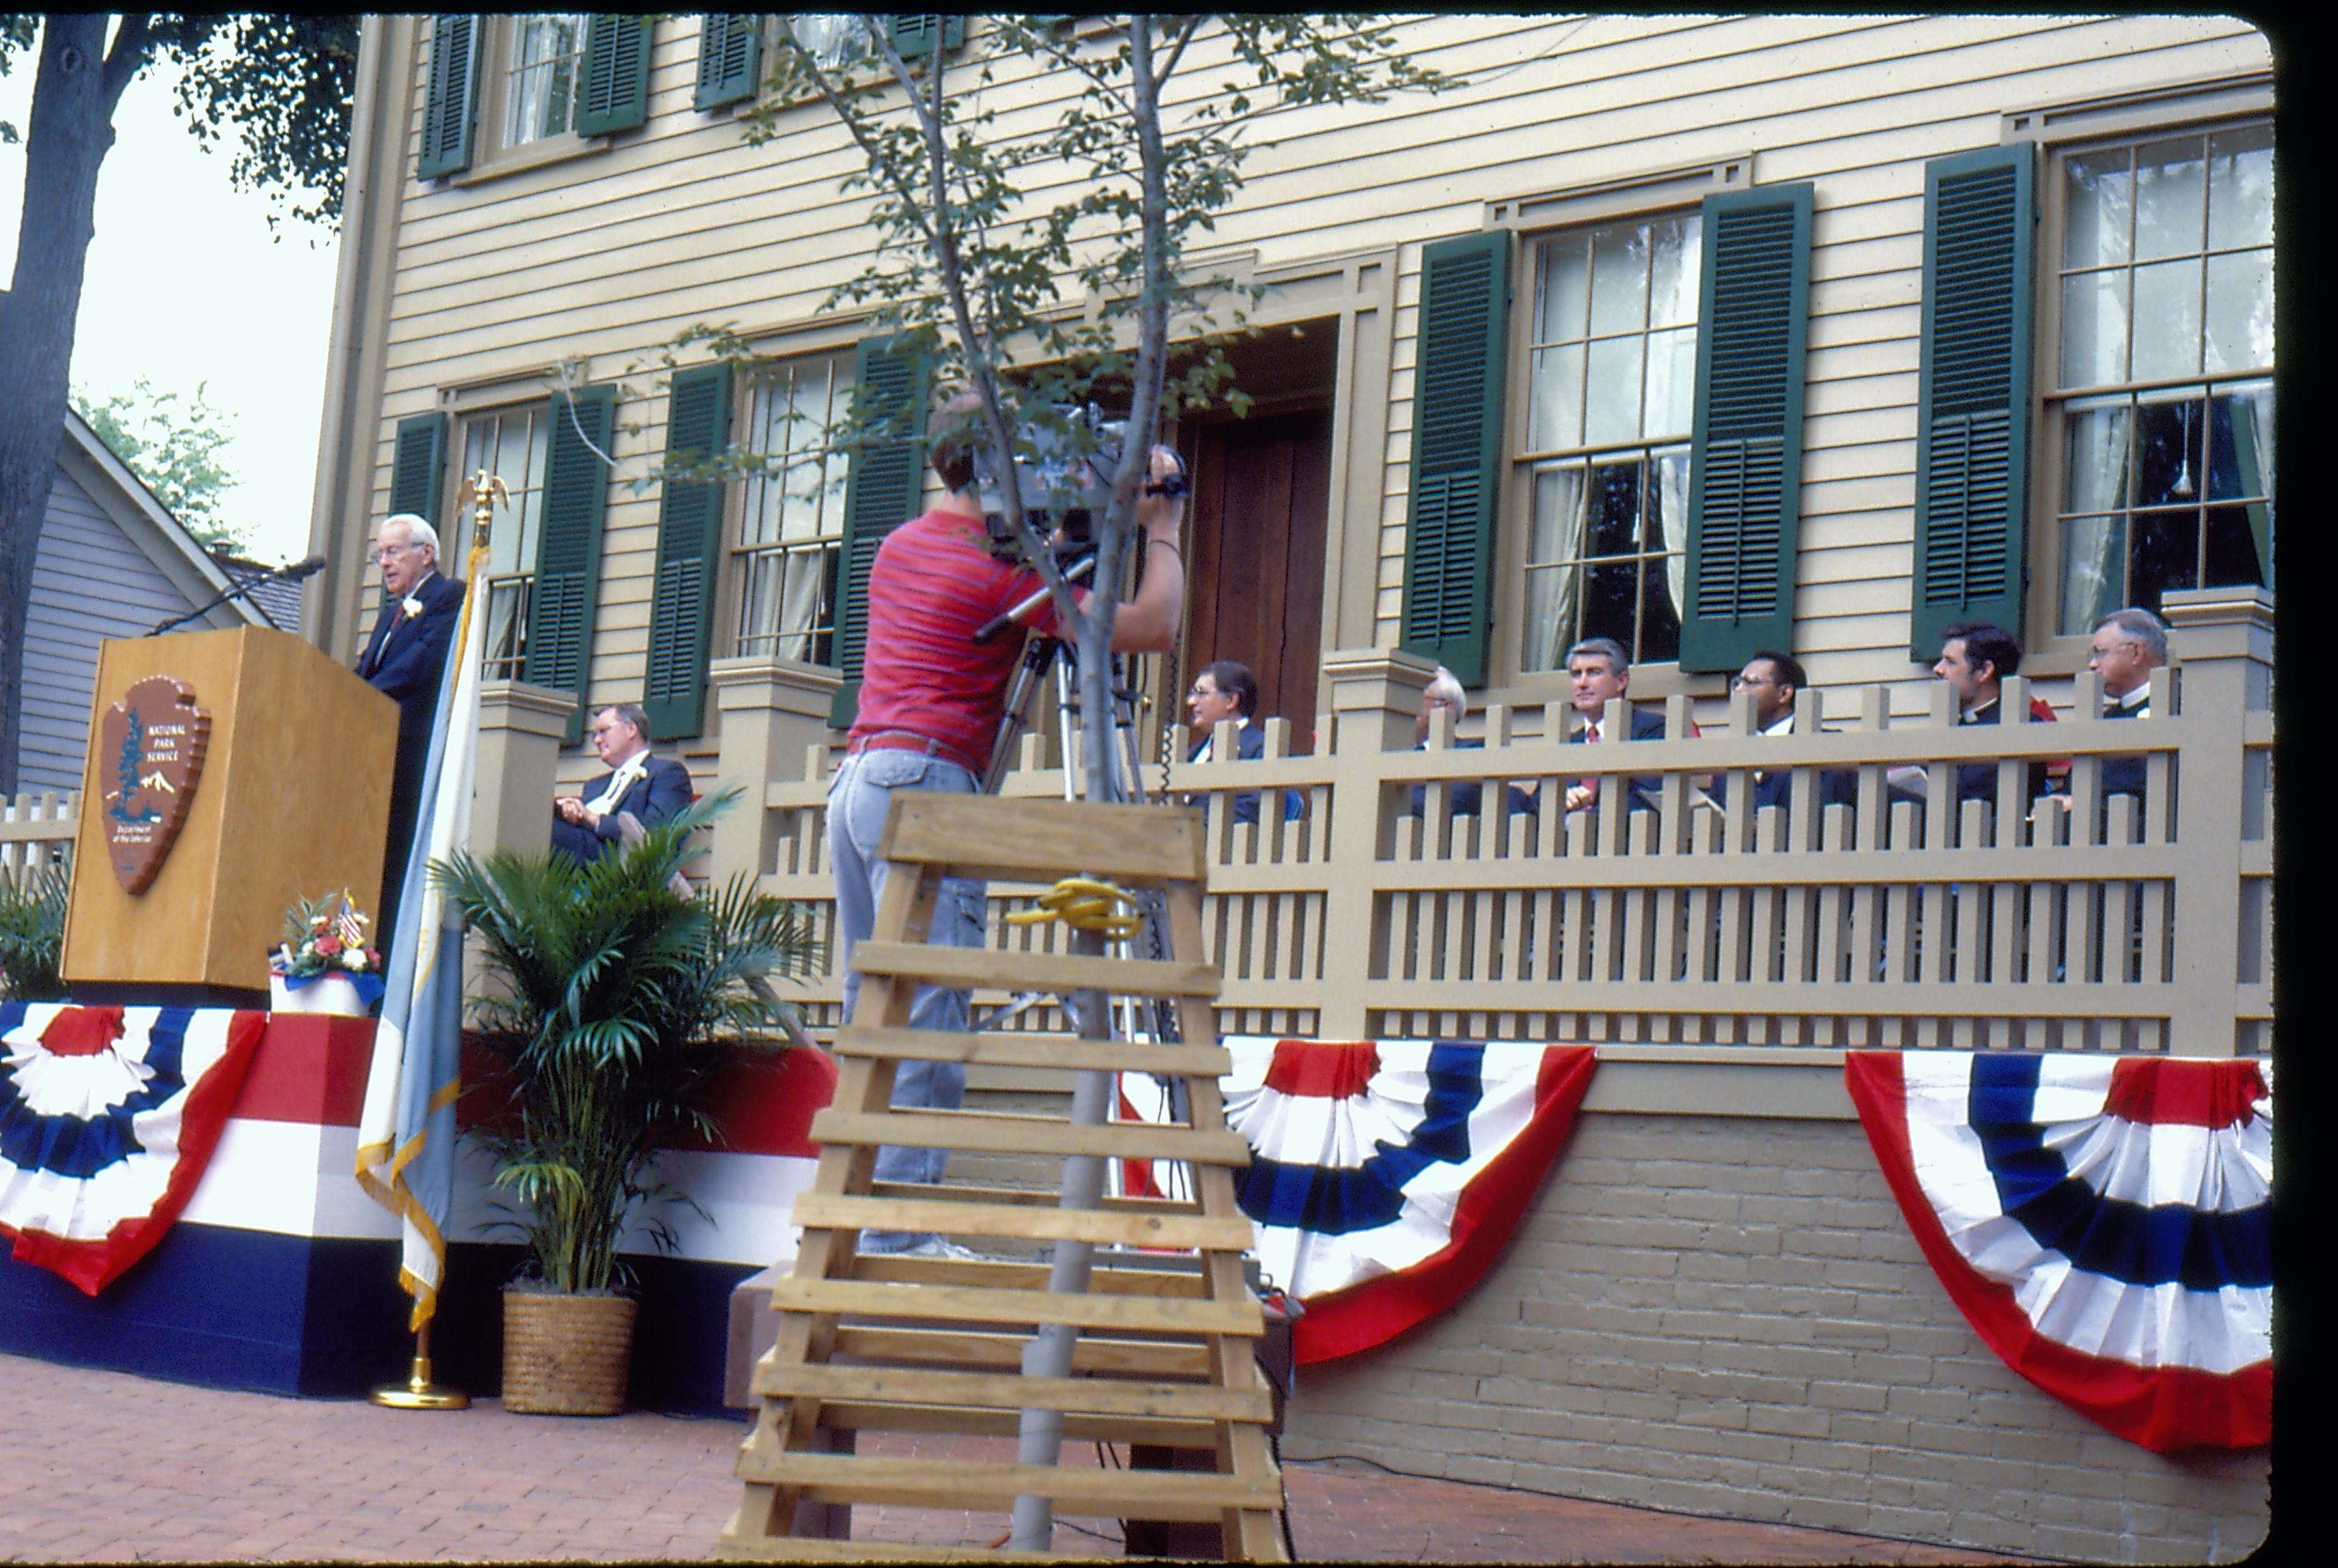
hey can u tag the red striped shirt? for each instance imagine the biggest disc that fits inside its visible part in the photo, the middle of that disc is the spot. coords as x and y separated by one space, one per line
933 583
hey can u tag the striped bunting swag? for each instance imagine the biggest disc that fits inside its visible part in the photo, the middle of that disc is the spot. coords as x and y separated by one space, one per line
2103 1223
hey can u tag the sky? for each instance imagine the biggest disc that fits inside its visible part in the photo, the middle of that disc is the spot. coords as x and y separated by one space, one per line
185 286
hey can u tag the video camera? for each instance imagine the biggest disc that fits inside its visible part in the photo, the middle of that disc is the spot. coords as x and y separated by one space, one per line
1067 481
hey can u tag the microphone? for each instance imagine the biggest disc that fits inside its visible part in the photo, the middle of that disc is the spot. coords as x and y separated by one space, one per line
291 572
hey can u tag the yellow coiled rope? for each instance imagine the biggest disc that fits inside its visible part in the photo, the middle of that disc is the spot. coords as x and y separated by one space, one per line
1084 906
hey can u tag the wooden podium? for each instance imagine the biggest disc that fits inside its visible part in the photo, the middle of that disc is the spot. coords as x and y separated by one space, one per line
291 800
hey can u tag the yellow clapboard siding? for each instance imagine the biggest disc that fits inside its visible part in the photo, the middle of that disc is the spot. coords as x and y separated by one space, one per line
961 1304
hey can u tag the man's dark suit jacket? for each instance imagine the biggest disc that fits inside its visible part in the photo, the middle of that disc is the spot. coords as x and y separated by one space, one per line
1249 745
661 791
1977 780
2123 775
404 659
1776 786
1648 724
1468 794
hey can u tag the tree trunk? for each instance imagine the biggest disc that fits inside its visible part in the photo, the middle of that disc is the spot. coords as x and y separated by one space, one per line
70 133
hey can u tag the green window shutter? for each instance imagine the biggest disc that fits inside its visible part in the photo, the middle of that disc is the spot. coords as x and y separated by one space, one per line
1746 461
729 59
616 74
568 545
914 35
1972 411
881 488
450 101
1456 441
690 528
418 471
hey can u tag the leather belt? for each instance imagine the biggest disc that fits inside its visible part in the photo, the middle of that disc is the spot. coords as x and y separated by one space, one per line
908 740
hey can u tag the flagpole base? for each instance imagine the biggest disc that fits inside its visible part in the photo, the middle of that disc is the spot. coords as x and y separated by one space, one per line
419 1393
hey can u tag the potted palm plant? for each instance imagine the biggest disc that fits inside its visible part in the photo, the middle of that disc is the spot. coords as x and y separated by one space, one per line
612 1006
33 931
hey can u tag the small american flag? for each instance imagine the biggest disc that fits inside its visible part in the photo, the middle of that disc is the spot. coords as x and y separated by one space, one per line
349 925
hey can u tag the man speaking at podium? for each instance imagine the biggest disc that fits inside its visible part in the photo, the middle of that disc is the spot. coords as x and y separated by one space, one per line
403 660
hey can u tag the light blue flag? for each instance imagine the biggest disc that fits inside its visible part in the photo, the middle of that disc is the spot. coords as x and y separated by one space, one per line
406 1135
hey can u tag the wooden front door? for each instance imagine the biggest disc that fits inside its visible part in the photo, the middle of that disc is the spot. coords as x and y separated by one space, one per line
1261 488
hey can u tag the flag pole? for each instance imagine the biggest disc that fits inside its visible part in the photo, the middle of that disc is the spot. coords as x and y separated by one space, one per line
420 1391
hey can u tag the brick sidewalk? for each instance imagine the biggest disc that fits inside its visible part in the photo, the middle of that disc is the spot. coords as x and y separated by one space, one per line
100 1466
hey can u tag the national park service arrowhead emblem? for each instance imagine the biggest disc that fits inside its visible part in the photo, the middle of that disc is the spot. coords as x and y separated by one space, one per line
153 741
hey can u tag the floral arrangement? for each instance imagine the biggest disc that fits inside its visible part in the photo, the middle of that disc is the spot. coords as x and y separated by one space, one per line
327 937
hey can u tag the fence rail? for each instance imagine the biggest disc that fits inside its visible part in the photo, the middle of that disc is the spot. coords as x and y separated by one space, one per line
36 831
1856 913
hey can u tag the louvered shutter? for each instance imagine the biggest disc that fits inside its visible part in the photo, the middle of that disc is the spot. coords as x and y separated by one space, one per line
914 35
729 59
449 101
616 74
568 545
1746 465
1972 447
881 493
418 470
689 529
1457 428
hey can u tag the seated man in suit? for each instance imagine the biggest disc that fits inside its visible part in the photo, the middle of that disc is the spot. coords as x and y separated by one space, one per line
638 785
2127 646
1444 691
1227 689
1775 678
1975 659
1597 669
404 659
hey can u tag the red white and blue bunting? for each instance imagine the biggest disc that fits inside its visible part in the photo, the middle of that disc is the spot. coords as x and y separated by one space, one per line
1390 1175
2103 1223
107 1117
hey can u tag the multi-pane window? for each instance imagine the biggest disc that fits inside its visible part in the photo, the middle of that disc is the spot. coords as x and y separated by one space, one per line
1610 407
512 444
545 76
791 541
2164 369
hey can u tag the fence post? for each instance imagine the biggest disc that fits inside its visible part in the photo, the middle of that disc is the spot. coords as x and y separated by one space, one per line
520 728
2222 639
772 709
1375 697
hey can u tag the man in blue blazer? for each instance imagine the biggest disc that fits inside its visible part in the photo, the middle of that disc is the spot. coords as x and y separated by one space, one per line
647 787
1597 669
404 659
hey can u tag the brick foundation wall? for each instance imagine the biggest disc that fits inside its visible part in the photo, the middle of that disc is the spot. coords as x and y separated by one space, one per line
1728 1316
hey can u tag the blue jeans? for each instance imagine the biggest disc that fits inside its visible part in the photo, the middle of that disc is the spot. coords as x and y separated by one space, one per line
858 799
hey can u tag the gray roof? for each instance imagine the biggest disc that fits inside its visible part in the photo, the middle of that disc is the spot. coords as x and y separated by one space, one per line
277 598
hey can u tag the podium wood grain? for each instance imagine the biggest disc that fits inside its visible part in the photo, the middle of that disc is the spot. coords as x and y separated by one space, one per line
293 802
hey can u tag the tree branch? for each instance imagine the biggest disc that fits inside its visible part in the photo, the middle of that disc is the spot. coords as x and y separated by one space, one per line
127 55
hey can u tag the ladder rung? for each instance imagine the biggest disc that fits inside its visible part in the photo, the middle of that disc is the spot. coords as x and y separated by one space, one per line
1014 1275
1052 972
1013 1391
1035 1050
972 1304
1101 1228
961 1347
1033 1195
860 1416
996 1133
1043 841
1177 1494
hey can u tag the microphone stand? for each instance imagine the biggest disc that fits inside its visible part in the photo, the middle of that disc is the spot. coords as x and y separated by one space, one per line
291 572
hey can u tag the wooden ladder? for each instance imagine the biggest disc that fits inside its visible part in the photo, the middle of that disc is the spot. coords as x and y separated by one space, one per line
934 1345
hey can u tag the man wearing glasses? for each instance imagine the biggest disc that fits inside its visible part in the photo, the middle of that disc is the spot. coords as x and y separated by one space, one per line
403 661
638 785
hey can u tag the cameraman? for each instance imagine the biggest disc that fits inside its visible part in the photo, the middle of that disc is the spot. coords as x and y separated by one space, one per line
932 698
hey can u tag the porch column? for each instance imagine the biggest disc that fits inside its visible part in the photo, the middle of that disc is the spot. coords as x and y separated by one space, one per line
520 729
1376 694
774 712
2221 643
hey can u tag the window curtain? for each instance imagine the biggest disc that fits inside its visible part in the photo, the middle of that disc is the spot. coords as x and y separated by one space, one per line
1562 519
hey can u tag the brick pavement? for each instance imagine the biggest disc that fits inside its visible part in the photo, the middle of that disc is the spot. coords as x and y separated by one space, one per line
100 1466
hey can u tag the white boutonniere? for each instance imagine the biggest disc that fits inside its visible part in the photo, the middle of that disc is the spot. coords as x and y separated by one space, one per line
410 609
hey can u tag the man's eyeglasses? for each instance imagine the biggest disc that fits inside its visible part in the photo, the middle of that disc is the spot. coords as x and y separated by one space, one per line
1204 692
375 554
1751 680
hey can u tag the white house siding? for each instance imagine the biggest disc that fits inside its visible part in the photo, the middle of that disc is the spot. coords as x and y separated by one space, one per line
89 582
602 256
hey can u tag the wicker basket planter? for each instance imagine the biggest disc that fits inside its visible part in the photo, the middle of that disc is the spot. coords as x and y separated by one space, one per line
566 1354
